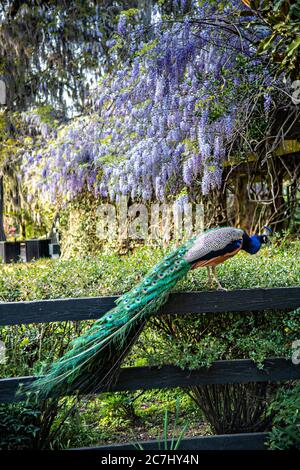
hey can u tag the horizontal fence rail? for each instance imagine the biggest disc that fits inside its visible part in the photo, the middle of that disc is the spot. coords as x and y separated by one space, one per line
146 378
91 308
247 441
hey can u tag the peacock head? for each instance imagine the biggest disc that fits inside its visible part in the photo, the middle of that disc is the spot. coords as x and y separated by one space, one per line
253 244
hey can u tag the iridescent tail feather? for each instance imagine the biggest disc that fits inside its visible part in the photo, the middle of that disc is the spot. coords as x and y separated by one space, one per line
93 360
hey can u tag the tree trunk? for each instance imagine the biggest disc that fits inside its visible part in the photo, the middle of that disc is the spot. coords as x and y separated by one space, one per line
215 208
242 210
2 232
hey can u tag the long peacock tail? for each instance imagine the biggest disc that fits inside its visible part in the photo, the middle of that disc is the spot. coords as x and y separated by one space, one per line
93 360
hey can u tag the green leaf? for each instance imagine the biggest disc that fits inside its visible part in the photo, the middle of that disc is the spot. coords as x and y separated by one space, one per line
265 43
293 46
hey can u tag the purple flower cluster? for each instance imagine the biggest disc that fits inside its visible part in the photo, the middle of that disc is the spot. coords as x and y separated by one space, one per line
36 124
159 124
122 26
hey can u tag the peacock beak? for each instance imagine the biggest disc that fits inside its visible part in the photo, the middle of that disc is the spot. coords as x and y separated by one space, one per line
266 234
268 231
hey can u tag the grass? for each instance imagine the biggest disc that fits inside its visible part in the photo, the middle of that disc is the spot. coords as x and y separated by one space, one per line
103 421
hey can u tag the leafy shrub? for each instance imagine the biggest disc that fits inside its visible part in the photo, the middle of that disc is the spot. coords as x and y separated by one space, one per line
285 433
19 425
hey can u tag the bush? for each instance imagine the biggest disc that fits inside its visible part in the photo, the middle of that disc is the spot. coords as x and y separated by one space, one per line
286 422
110 273
19 425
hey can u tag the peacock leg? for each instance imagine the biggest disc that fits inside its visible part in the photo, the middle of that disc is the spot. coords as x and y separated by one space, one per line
210 279
220 287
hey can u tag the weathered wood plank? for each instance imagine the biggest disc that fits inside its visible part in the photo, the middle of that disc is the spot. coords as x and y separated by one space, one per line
43 311
247 441
244 300
146 378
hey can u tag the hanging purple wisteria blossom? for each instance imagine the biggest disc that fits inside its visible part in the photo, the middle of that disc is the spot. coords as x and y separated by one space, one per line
160 123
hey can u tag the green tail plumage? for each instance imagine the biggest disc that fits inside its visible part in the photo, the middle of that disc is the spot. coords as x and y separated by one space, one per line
94 358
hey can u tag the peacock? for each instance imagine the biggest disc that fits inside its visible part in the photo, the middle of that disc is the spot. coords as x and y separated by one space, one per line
93 360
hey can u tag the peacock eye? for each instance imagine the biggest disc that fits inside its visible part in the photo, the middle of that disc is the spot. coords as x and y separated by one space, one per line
109 317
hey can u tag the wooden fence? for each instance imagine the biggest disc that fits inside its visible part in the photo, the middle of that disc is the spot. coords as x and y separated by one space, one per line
145 378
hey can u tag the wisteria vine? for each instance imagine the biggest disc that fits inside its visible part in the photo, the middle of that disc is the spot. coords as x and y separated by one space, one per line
164 121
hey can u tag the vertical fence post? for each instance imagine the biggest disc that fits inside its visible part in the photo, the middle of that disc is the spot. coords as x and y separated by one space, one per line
10 251
36 249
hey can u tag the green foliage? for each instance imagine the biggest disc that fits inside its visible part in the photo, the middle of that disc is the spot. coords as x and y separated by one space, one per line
110 273
69 41
193 341
176 436
286 408
46 115
106 420
282 43
119 405
18 426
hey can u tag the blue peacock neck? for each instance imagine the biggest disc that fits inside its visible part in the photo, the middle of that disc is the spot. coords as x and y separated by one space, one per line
251 244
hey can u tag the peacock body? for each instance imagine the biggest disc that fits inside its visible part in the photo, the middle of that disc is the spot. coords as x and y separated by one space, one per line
93 360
